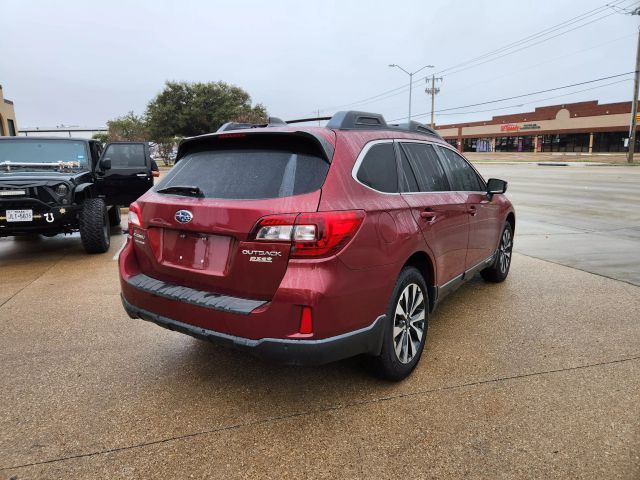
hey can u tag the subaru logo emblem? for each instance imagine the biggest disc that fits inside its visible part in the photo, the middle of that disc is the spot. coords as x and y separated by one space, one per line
184 216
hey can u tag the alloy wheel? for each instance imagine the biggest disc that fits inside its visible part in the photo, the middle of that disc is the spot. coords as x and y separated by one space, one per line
409 323
506 245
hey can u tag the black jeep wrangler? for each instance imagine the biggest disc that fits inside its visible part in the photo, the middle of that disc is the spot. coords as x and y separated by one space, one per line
63 185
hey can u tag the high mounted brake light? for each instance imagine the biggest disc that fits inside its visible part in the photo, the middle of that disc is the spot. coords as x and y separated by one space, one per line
312 235
135 217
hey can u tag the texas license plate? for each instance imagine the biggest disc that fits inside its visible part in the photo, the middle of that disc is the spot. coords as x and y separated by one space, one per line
19 215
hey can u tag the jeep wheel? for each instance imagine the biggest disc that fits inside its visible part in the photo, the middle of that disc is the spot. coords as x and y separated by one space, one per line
114 216
499 269
94 226
406 326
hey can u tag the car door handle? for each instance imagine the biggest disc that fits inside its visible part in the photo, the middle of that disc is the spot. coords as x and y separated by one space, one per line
428 215
141 175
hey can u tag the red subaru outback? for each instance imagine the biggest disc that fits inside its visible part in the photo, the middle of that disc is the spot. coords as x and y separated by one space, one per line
308 245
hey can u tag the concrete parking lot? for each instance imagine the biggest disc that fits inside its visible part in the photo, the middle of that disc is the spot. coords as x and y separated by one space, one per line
538 377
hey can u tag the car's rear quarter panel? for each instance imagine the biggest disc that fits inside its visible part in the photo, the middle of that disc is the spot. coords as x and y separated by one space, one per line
388 236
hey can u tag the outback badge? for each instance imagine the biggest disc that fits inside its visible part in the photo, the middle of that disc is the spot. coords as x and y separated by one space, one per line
184 216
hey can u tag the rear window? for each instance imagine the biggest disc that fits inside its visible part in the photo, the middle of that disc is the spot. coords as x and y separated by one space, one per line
248 174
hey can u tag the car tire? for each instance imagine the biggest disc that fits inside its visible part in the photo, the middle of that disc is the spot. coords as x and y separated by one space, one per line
95 231
499 269
404 335
114 216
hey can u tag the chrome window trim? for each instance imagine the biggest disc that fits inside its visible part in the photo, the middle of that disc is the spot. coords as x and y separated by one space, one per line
360 158
367 147
484 182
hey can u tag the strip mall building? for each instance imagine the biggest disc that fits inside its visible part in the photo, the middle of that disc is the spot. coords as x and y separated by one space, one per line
8 125
574 127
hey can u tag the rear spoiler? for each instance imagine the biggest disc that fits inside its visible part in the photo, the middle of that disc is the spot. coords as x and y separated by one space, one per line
219 139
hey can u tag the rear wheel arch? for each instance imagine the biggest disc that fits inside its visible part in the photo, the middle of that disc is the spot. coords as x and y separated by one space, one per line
424 264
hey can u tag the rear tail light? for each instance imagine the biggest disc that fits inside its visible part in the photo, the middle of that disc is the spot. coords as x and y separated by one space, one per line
312 235
134 217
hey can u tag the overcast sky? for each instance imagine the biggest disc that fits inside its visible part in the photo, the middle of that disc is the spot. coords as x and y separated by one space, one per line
83 63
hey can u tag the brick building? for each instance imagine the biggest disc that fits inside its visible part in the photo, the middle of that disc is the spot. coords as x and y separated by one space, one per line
8 124
573 127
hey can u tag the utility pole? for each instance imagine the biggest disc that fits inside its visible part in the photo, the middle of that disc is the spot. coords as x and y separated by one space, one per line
411 74
634 105
433 91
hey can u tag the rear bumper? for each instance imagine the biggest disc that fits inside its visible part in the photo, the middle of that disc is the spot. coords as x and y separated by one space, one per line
366 340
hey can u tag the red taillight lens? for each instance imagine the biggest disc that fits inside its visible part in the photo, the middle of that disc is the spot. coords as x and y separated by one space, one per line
312 235
135 217
306 321
333 230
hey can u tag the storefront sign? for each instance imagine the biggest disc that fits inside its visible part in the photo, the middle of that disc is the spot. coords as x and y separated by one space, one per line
514 127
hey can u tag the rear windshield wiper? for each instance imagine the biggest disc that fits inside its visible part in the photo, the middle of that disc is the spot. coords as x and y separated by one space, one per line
186 190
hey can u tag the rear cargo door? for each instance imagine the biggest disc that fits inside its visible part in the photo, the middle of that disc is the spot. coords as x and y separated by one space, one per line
199 220
123 172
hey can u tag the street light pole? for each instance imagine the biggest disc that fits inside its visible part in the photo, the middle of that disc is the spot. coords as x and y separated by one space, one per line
411 74
410 91
634 105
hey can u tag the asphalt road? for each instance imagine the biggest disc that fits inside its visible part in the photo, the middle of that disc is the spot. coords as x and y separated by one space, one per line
583 217
538 377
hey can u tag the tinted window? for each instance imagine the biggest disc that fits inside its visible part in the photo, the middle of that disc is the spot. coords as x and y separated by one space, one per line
248 173
461 175
409 182
124 155
378 169
424 160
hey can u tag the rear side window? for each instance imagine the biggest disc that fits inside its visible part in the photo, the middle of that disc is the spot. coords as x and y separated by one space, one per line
248 174
378 169
426 165
409 181
462 176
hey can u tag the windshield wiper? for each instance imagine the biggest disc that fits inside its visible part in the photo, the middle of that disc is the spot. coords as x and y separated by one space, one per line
186 190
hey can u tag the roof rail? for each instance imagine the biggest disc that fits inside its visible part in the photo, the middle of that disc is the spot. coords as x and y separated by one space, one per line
415 127
271 122
351 119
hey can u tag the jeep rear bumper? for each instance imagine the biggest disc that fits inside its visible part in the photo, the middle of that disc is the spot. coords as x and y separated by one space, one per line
367 340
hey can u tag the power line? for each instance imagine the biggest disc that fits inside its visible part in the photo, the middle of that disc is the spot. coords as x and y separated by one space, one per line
531 45
535 101
534 36
525 94
570 54
401 89
511 72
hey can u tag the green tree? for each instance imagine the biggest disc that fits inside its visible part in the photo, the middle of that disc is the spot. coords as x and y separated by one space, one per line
129 127
185 109
101 137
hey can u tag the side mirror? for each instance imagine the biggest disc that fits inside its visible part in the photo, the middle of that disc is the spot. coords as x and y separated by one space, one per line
105 164
495 185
